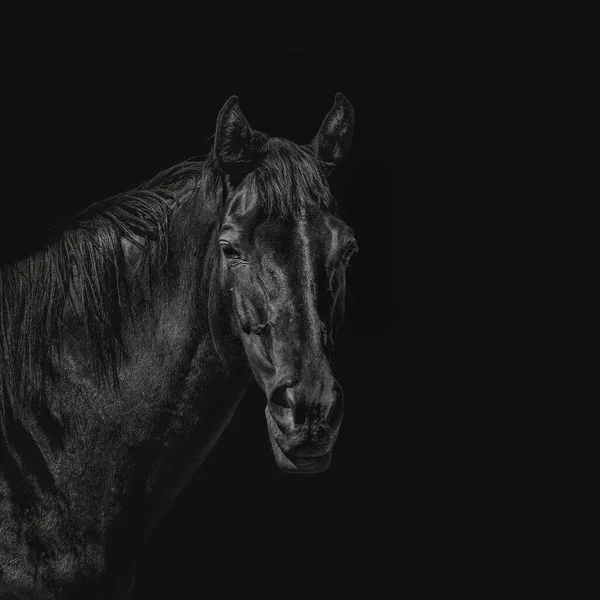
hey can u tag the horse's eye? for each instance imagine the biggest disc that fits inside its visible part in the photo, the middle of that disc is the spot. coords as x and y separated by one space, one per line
228 250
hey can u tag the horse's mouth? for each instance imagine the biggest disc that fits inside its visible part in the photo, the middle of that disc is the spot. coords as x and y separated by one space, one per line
298 464
295 463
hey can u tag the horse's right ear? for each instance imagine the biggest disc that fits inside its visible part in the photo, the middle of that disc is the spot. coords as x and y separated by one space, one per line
233 136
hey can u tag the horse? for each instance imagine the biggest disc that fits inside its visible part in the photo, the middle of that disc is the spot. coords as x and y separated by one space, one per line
129 337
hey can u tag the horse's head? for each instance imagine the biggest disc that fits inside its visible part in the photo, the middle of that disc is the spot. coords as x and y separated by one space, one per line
283 256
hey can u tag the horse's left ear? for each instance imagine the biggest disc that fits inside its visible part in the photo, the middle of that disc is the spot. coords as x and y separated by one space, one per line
233 136
333 141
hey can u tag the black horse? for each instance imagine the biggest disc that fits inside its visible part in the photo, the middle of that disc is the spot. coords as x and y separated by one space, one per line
129 338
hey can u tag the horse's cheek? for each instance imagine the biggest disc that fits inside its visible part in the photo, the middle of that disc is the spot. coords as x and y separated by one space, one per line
248 305
339 302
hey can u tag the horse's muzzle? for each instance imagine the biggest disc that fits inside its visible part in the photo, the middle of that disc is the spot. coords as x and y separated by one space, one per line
302 434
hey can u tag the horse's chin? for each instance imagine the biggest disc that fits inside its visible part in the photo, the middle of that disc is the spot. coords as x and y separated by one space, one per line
296 464
300 465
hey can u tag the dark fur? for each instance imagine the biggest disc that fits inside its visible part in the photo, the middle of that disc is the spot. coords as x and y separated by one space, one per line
35 290
83 264
120 360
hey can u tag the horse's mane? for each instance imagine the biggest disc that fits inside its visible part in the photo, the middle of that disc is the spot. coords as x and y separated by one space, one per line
290 179
84 257
82 262
287 177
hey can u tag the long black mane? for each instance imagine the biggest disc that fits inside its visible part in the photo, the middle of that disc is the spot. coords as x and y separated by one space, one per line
82 262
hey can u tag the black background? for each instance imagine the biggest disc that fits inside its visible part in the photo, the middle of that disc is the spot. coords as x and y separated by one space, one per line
83 126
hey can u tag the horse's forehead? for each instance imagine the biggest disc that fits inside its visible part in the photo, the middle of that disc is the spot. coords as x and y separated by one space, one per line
303 240
243 202
315 226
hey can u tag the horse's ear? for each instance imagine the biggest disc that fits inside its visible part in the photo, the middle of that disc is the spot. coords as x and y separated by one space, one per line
335 135
233 135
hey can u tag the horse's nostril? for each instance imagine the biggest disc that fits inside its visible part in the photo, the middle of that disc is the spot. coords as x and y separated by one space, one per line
300 414
334 415
286 407
282 406
284 397
280 398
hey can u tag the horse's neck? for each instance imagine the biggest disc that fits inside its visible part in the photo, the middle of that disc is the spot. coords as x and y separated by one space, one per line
127 450
212 372
182 376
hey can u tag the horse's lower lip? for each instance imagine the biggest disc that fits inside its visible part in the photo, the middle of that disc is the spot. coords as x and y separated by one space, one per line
314 464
